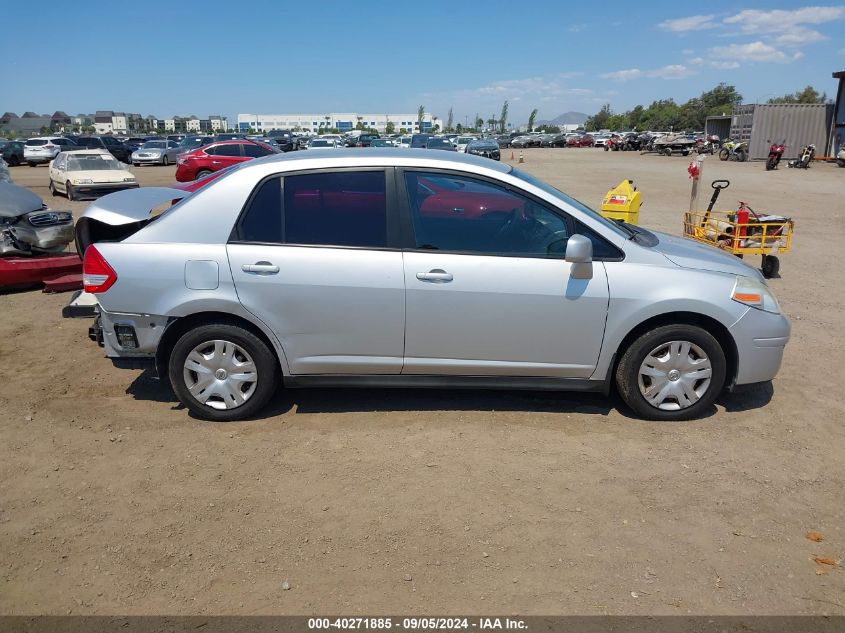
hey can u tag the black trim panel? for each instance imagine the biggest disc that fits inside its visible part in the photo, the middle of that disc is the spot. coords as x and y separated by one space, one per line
534 383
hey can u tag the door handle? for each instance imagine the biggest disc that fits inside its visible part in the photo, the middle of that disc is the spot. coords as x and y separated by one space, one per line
437 276
261 268
216 162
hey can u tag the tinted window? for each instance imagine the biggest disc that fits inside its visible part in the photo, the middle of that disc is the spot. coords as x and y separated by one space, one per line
254 151
227 150
34 142
336 208
262 221
457 213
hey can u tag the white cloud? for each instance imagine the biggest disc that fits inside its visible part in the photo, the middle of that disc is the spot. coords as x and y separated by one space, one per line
799 36
754 51
696 61
725 65
691 23
781 21
672 71
577 28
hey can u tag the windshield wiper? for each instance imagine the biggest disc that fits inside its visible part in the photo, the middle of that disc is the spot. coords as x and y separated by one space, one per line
625 227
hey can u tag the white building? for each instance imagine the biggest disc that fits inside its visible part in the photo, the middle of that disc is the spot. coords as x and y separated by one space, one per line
192 125
343 121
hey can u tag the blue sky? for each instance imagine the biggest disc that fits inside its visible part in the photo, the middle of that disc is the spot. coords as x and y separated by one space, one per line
167 58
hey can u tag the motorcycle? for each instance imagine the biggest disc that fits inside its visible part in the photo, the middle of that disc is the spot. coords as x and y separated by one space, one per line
808 153
734 150
776 151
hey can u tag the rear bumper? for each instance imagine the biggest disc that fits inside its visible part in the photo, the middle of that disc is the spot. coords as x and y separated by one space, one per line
40 158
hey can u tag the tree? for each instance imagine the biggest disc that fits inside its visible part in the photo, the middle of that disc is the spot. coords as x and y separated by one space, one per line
491 122
420 117
449 120
403 130
390 128
459 128
807 95
549 129
503 118
599 120
531 118
477 122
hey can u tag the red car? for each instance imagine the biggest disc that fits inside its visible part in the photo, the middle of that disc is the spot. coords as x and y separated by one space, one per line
201 162
580 141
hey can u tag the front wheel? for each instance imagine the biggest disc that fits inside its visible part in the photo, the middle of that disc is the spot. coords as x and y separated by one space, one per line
741 155
771 163
52 188
673 372
724 154
71 194
770 267
164 161
222 372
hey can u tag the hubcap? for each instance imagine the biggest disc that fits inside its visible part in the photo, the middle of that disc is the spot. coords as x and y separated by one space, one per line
220 374
674 375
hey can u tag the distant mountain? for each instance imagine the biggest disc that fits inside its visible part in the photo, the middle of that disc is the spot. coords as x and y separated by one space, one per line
567 118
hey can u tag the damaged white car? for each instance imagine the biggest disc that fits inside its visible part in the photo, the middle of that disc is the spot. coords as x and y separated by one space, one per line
28 226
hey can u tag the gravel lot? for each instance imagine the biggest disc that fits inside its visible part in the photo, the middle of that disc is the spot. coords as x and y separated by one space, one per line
114 501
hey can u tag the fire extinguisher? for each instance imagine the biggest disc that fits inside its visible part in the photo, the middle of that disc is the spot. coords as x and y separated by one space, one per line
741 221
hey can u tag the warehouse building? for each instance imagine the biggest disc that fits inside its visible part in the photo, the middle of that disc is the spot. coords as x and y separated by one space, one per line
343 121
799 124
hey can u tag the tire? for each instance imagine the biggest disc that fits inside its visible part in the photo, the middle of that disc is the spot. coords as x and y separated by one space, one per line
202 173
71 196
770 267
136 164
770 164
667 341
32 164
741 155
52 188
724 154
229 347
667 151
164 161
14 161
685 152
840 162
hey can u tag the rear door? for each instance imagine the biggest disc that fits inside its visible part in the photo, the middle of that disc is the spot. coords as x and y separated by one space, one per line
225 155
311 257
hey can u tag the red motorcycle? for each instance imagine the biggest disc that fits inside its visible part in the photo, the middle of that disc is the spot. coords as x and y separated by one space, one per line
776 151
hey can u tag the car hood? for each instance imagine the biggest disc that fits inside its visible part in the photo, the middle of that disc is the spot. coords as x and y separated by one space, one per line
151 150
689 254
96 175
15 200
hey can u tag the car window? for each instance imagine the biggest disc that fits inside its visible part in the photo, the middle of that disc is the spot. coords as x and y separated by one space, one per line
35 142
262 220
60 161
463 214
227 150
254 151
345 208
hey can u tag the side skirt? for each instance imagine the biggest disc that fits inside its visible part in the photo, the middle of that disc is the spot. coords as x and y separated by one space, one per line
447 382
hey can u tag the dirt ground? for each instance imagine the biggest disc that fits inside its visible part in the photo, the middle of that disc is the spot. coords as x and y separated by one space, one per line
114 501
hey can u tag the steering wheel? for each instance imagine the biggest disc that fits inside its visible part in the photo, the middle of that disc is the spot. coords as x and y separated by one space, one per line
507 226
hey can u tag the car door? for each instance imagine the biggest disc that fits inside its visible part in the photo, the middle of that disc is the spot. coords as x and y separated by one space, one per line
225 155
310 258
488 291
57 168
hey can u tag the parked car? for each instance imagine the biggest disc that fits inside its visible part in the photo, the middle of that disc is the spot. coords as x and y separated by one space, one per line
156 153
599 140
487 147
43 149
558 293
503 140
284 140
210 158
323 143
420 141
176 138
461 142
87 173
28 226
110 143
526 141
404 142
12 152
192 142
362 140
581 140
134 142
440 143
382 142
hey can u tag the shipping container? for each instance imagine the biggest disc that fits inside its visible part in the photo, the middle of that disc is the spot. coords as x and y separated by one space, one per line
796 123
719 125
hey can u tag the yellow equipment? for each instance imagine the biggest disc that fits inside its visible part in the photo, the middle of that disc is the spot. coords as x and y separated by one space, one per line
622 203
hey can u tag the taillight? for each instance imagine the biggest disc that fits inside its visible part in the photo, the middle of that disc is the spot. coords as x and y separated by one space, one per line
48 146
97 275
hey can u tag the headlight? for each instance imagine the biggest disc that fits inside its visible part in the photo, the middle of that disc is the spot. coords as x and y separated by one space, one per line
128 180
83 181
755 294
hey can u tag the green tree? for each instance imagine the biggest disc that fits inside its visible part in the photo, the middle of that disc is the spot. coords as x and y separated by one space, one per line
402 130
599 120
478 122
531 118
449 121
390 128
420 117
807 95
459 128
503 117
491 122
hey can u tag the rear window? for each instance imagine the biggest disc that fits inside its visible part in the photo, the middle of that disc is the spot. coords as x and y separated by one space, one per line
35 142
225 150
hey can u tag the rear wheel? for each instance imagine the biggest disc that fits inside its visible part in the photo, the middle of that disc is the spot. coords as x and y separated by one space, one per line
71 194
164 161
673 372
741 155
222 372
202 173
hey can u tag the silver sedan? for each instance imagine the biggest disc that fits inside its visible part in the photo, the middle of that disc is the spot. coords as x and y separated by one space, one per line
416 269
156 153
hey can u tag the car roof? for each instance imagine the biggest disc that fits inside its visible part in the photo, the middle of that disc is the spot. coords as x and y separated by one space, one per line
378 156
92 151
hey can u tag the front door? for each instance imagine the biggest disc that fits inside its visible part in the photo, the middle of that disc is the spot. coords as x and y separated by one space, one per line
487 289
310 260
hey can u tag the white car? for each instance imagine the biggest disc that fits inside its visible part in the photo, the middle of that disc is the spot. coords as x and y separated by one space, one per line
403 141
323 143
43 149
462 141
88 173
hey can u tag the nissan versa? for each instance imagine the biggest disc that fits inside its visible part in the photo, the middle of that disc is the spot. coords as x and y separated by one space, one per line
380 268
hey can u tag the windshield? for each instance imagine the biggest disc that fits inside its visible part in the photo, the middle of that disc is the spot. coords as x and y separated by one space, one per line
463 140
557 193
322 143
92 162
154 145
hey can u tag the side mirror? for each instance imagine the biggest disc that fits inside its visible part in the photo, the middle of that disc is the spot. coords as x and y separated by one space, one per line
579 250
579 253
